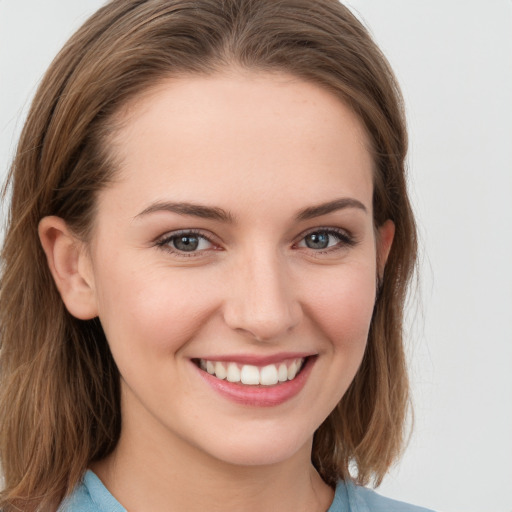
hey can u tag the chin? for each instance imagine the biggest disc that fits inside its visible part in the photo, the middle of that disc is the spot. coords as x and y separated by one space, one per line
265 447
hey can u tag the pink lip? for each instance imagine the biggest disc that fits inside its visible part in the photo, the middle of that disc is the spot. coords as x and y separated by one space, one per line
259 396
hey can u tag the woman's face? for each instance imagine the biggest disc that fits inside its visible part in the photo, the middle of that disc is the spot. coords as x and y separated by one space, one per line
236 243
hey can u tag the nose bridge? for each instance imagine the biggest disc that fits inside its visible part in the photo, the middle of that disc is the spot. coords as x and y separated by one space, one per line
262 301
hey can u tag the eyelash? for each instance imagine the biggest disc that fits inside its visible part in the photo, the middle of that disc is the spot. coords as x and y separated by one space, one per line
344 240
166 242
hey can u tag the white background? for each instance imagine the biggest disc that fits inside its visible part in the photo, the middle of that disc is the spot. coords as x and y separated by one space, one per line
454 61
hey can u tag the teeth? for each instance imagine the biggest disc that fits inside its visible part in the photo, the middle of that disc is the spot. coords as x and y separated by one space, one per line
282 373
233 374
251 375
292 371
210 367
220 371
269 375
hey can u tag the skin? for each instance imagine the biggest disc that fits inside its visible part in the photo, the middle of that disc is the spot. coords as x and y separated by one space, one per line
262 147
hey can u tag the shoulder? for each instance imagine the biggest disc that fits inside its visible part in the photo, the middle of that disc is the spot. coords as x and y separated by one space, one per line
353 498
79 500
90 496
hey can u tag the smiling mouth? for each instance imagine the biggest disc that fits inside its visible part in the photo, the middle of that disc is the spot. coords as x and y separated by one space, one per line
252 375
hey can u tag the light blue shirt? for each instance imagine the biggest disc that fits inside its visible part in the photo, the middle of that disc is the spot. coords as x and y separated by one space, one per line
92 496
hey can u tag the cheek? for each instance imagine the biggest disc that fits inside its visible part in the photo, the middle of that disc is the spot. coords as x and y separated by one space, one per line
342 306
157 310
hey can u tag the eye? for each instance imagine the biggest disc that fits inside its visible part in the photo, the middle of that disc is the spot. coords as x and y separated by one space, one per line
323 239
185 242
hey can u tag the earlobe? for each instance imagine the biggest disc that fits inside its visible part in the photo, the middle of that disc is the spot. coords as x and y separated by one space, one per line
70 267
386 233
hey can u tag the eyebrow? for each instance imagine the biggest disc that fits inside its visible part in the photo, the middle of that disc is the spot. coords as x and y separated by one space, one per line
332 206
219 214
196 210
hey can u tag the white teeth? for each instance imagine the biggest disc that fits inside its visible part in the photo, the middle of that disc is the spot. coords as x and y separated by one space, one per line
233 374
252 375
282 373
269 375
210 367
220 371
292 370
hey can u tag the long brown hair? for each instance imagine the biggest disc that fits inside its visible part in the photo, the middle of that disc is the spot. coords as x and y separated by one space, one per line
59 386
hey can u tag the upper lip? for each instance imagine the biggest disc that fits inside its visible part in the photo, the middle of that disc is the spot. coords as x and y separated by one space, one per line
257 360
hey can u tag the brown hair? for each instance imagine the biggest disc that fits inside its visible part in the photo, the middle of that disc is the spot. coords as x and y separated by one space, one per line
59 387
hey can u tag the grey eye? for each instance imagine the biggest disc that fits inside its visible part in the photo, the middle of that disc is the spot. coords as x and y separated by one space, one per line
318 240
186 243
326 239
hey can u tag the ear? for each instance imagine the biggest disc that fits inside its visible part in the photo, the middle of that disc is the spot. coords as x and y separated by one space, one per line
70 267
385 235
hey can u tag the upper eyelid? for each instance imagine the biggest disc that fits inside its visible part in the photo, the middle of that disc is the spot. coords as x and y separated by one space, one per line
169 235
325 229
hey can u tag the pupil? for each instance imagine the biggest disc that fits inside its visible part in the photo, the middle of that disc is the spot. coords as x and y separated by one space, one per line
317 240
186 243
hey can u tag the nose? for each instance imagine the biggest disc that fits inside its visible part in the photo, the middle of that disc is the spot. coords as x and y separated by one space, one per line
262 301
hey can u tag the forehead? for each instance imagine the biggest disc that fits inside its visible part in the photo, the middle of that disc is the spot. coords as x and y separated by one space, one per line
258 134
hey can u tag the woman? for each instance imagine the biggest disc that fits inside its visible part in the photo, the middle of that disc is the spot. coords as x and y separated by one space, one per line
209 244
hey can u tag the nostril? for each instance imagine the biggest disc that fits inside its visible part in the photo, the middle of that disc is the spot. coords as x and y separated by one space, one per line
262 325
261 303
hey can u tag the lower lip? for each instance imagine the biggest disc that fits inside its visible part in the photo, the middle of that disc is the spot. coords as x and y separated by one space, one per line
260 396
